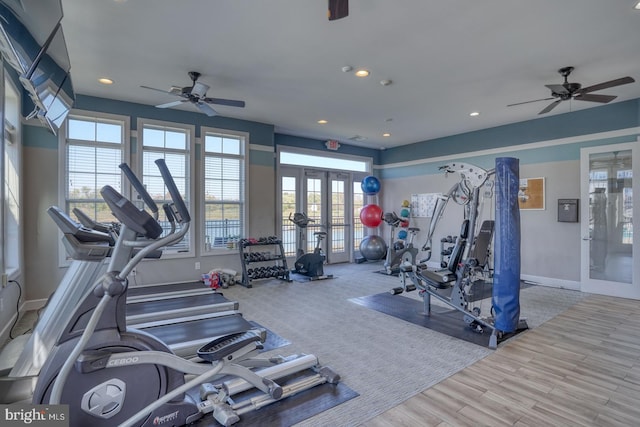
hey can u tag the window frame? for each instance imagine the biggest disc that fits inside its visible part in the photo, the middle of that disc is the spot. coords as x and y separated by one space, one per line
190 175
11 135
125 121
244 149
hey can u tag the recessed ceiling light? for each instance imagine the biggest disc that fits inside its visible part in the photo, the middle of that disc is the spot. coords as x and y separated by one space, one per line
105 81
362 72
637 6
386 134
474 114
322 122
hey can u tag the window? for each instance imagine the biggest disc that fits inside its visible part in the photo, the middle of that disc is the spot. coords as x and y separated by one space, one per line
12 163
171 142
94 148
358 204
224 189
343 163
288 193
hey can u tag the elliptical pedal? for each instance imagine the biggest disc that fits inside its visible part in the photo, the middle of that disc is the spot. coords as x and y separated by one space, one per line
225 347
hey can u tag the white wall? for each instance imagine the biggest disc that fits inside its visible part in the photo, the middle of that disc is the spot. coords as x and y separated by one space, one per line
550 250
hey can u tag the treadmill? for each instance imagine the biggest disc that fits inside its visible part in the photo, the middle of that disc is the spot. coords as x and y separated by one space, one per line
144 303
185 316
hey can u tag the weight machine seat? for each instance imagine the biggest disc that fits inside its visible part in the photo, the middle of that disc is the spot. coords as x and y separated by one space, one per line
440 279
320 233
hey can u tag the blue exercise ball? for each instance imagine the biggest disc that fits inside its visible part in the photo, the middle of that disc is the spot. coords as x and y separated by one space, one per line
373 248
370 185
402 234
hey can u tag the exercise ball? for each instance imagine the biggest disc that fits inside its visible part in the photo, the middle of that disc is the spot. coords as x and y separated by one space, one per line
373 248
402 234
405 204
404 213
370 185
371 215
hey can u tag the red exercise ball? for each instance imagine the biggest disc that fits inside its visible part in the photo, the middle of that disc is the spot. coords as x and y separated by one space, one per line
371 216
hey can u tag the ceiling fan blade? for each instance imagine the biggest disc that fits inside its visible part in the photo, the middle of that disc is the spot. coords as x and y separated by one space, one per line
338 9
550 106
606 85
221 101
206 108
595 98
528 102
158 90
559 89
171 104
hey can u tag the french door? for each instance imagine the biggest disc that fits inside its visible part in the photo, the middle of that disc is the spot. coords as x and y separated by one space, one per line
609 262
327 199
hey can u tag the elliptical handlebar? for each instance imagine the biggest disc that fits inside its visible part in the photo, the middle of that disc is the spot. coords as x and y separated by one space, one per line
183 216
146 197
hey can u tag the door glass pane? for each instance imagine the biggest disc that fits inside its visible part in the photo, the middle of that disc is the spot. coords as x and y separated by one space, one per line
610 216
358 204
314 210
337 216
288 208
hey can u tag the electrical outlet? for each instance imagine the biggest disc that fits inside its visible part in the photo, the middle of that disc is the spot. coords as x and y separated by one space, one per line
5 280
1 304
197 266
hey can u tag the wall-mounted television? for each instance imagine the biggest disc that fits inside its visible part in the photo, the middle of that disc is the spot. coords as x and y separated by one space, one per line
25 26
49 82
32 41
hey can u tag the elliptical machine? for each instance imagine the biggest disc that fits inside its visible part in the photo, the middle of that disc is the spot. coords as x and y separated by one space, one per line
399 254
309 264
111 375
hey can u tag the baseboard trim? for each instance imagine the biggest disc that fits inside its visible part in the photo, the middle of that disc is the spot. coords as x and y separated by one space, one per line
551 282
35 304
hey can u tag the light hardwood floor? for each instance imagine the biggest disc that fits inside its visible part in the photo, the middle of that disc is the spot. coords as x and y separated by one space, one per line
581 368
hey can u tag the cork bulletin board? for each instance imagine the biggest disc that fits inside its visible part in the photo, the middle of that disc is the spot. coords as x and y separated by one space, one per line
531 194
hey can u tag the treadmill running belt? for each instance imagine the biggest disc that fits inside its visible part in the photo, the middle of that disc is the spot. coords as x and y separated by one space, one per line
137 308
177 333
157 289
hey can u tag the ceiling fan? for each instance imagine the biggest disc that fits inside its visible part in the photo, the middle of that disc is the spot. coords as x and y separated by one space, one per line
566 91
338 9
197 95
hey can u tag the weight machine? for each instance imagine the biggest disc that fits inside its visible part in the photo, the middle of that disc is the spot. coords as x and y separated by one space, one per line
469 260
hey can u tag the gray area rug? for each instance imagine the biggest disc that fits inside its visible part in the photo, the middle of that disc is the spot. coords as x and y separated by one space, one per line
384 359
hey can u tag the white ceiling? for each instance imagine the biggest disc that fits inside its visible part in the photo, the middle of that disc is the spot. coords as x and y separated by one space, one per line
446 58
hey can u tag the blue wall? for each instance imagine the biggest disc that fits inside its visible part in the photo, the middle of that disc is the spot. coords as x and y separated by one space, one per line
621 115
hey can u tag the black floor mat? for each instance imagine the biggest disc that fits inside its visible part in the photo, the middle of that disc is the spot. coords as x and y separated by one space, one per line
304 279
446 321
273 340
293 409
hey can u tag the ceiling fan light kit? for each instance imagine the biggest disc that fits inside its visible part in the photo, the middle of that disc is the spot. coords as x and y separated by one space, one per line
196 94
567 91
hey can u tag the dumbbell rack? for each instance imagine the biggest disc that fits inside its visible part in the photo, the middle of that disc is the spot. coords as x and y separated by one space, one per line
254 258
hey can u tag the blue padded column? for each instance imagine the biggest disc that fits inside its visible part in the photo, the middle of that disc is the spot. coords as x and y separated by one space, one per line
506 279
